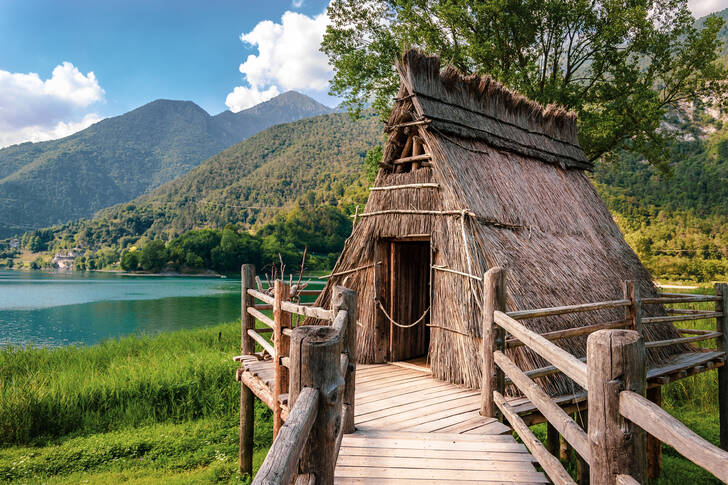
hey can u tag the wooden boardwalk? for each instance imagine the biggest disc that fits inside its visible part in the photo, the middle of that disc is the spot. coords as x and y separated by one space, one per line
413 429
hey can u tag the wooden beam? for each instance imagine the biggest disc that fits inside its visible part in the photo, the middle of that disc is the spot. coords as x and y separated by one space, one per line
721 325
681 318
683 340
616 360
261 296
569 365
550 410
344 301
551 465
672 432
307 311
572 332
263 342
561 310
282 292
654 446
281 462
261 316
679 298
247 411
633 312
494 298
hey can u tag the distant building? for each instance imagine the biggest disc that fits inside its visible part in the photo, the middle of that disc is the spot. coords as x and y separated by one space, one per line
14 243
63 260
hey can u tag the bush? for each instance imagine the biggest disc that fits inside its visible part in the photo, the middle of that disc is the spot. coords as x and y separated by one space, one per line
153 256
130 261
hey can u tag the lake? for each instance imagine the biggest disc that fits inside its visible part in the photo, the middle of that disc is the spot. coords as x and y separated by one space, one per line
52 309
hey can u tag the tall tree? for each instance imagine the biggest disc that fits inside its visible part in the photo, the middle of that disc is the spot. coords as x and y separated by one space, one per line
620 64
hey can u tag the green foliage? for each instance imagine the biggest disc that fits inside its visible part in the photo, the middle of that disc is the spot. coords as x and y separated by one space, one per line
371 162
130 261
619 64
154 256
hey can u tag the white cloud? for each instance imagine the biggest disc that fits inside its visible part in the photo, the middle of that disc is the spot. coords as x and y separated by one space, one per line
32 109
288 57
244 97
700 8
297 3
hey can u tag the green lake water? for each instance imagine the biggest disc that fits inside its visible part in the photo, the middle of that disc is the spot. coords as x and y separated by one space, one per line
52 309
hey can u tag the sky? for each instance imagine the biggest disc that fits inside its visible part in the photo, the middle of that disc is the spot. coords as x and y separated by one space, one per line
65 64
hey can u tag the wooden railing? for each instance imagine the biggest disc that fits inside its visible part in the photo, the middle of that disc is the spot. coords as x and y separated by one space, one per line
614 377
315 368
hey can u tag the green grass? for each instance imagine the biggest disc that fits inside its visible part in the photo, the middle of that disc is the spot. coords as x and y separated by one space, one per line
134 410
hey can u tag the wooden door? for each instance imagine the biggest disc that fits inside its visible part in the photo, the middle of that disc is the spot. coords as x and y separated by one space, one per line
409 299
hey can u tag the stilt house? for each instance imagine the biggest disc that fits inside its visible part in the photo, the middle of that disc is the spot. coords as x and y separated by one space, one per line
476 176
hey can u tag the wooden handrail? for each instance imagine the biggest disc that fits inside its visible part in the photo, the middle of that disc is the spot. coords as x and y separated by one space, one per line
548 408
261 316
262 341
281 463
340 321
561 310
682 340
261 296
672 432
681 318
680 298
569 365
306 311
551 465
571 332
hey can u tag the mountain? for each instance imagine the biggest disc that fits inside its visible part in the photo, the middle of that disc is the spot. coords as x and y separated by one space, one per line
119 158
319 159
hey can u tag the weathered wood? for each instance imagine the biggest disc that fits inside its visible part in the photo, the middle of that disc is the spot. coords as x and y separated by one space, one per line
344 301
413 158
679 298
262 342
261 316
494 298
282 292
572 332
681 318
552 439
417 149
312 311
626 480
281 462
258 386
582 464
306 479
569 365
617 361
633 312
315 359
454 271
261 296
551 411
682 340
561 310
247 412
654 447
672 432
721 291
551 465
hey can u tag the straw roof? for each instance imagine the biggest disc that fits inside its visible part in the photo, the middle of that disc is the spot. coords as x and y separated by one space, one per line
511 191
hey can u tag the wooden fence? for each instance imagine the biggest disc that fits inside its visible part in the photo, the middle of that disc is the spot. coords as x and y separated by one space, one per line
614 450
314 369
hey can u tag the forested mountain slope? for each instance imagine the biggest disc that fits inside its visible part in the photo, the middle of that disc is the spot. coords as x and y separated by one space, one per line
122 157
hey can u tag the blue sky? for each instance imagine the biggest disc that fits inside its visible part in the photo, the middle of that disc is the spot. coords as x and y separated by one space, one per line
65 64
139 51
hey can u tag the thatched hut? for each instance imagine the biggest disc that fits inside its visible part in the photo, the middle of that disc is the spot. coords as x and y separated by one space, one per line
476 176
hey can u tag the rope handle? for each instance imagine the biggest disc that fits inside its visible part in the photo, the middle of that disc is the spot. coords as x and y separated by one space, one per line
399 324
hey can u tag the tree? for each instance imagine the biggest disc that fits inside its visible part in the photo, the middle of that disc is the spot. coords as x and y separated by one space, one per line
153 256
130 261
620 64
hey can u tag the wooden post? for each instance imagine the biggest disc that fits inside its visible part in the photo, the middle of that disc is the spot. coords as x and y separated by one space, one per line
247 413
315 356
345 299
552 439
616 361
564 449
582 467
633 313
493 379
654 446
721 289
282 319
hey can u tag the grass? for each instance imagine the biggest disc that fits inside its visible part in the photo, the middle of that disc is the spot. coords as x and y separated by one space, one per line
134 410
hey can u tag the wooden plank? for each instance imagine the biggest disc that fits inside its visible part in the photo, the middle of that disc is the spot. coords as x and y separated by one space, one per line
412 366
561 310
553 467
417 444
424 437
430 413
410 389
679 298
407 383
411 406
566 426
429 463
490 428
437 474
259 388
569 365
475 423
672 432
572 332
444 422
312 311
347 450
683 361
389 481
282 292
